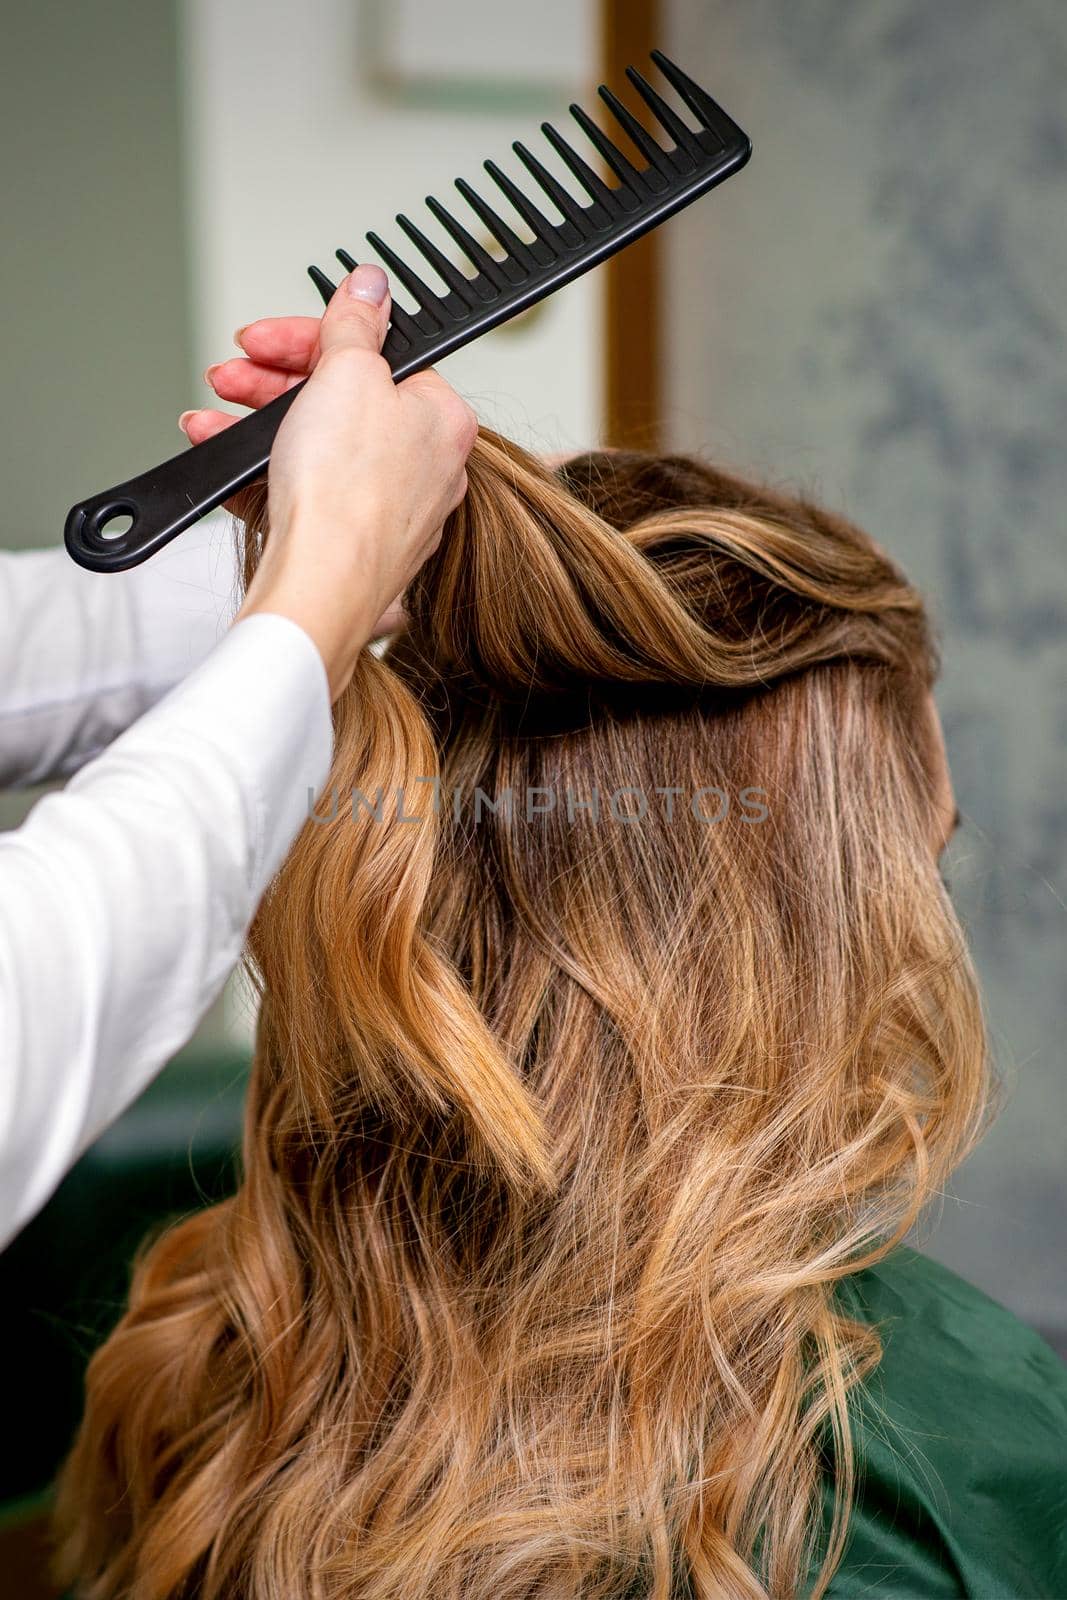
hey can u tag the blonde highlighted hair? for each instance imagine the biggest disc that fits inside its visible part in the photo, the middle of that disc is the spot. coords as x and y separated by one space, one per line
563 1127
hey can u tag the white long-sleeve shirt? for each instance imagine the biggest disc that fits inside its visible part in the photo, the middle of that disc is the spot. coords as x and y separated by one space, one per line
125 897
83 654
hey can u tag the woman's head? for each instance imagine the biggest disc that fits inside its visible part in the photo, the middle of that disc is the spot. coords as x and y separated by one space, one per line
623 487
612 1010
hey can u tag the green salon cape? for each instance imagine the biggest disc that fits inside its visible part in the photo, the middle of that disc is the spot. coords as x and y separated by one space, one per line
961 1440
960 1437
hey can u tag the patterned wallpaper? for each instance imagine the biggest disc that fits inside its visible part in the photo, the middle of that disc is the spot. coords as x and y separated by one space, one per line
876 309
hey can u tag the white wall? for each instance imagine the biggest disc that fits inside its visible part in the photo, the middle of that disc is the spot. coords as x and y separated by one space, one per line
292 152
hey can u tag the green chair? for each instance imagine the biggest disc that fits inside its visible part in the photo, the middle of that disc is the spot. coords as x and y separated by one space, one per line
63 1281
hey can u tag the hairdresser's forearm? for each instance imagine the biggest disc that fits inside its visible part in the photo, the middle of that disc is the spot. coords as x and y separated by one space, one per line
323 600
124 899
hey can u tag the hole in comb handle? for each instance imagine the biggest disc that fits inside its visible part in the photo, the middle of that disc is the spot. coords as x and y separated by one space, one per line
116 526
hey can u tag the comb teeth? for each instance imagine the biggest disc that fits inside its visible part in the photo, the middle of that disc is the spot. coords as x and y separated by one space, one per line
678 165
457 281
684 139
518 258
603 198
484 264
658 160
622 167
428 302
708 113
578 221
323 284
544 232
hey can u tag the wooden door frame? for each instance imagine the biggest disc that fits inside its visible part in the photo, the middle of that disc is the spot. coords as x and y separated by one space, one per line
633 299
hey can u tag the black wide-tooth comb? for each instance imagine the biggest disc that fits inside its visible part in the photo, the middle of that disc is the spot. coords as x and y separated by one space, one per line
171 497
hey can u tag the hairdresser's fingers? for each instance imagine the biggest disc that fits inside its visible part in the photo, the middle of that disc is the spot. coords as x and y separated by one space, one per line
200 425
358 315
291 343
356 318
246 383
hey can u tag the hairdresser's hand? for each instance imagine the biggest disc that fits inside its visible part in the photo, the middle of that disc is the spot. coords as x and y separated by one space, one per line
277 352
283 352
362 476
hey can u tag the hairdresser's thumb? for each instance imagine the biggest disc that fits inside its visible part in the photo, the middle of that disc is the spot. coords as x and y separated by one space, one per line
358 314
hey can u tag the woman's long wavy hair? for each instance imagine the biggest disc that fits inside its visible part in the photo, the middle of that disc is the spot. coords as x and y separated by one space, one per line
563 1126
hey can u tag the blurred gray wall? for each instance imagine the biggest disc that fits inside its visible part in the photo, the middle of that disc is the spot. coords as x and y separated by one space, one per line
875 309
94 325
94 314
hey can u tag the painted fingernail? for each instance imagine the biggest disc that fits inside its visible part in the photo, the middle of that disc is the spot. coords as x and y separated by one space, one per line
368 282
184 419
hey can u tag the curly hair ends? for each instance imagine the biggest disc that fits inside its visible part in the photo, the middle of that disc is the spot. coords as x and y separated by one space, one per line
565 1120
